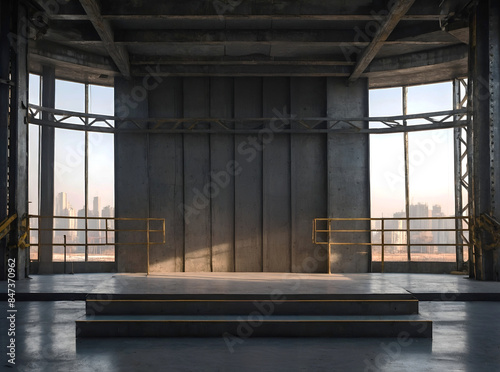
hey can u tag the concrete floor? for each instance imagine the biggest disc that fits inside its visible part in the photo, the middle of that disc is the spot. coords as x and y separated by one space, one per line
466 334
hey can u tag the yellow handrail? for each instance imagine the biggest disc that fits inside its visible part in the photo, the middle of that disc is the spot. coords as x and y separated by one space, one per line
106 230
330 230
5 225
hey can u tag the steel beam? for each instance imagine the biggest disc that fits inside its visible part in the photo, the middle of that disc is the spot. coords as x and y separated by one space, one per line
396 13
118 53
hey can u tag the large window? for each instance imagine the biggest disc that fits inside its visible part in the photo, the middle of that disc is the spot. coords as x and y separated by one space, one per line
34 163
83 174
420 184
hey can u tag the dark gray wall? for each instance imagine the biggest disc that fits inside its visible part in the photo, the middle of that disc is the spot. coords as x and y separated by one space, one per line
239 202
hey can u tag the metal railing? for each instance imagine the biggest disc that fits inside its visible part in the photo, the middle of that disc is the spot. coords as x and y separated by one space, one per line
324 232
106 229
5 225
5 228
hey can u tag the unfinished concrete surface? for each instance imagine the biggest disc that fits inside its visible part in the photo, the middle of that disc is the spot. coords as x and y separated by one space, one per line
464 335
238 207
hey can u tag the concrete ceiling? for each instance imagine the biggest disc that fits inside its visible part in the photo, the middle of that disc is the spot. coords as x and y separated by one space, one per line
393 42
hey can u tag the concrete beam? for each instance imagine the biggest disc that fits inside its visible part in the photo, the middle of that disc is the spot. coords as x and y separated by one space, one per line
118 53
340 37
256 7
241 70
56 54
395 15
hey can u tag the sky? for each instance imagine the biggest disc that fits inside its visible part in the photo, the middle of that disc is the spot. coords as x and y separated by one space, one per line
70 146
430 152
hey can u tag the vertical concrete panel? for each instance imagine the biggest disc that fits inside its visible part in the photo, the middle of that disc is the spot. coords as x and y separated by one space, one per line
222 174
166 185
276 179
349 175
18 178
131 175
248 182
308 175
197 190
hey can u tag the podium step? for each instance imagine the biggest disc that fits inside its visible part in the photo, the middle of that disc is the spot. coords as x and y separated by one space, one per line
253 325
397 304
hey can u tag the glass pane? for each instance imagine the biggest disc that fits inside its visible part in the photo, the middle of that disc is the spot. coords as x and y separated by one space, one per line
71 97
69 190
33 165
430 98
385 102
101 196
432 194
101 101
387 175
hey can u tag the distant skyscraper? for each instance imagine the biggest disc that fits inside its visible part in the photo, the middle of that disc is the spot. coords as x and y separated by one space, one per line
108 211
96 211
61 203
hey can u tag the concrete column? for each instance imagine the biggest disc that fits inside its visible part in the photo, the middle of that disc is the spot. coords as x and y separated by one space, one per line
308 175
131 175
486 127
4 126
47 174
18 177
349 176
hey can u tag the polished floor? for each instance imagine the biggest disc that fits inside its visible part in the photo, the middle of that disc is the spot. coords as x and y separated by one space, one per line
466 334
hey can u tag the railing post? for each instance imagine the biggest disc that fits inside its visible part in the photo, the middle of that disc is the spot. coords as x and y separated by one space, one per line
383 244
329 247
65 254
147 240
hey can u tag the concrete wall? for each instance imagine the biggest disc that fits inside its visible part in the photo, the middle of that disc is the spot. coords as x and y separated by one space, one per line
241 202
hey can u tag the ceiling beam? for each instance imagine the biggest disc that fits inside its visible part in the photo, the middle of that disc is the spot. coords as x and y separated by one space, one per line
241 70
236 18
118 53
397 12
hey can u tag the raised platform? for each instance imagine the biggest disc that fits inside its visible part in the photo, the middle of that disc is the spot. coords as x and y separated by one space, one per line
208 304
236 315
249 304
